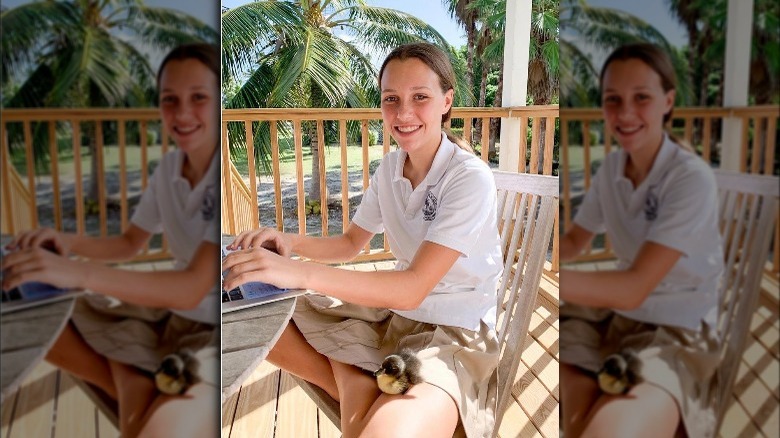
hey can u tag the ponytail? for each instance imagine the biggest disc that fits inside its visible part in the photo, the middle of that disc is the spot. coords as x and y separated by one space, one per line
463 144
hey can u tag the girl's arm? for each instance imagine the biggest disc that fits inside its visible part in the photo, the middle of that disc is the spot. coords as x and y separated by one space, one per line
164 289
623 290
114 248
403 290
335 249
574 242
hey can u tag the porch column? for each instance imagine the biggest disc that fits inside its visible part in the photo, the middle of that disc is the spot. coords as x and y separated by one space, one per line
517 39
739 27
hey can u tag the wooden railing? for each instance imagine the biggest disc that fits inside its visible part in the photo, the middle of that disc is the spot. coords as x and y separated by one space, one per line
33 199
698 127
246 212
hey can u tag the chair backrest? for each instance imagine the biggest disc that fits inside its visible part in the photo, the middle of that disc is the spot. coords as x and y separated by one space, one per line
526 214
748 211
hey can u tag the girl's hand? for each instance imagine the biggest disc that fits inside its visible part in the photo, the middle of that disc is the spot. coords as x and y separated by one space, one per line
38 264
41 238
260 264
265 238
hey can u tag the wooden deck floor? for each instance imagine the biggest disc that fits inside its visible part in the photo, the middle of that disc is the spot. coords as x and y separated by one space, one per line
270 404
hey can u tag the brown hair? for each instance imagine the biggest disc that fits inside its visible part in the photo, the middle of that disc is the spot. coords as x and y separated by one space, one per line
207 54
438 61
658 60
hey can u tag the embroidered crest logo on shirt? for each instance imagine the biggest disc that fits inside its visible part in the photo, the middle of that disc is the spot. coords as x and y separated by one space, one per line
651 204
429 209
209 201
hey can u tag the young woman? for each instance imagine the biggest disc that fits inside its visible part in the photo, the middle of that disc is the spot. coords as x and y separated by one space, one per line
657 202
436 202
118 336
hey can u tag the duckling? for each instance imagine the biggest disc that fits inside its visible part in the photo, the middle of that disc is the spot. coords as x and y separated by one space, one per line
177 372
620 372
399 371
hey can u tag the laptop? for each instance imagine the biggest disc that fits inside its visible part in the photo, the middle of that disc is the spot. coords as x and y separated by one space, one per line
32 294
254 293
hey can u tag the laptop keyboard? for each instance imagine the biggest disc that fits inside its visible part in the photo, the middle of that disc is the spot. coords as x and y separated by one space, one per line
233 295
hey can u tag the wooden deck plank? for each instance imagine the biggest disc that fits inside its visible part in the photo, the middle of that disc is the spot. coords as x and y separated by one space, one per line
737 422
297 413
34 412
326 427
228 414
75 411
7 413
517 424
536 401
255 412
542 364
106 428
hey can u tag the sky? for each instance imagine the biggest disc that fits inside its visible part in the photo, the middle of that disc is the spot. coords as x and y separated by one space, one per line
655 12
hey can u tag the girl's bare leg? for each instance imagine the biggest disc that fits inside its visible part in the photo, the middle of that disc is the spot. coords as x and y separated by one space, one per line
136 392
293 354
579 392
71 353
194 414
646 411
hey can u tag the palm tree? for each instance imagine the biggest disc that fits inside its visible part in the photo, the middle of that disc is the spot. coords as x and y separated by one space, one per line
305 53
606 29
78 53
466 15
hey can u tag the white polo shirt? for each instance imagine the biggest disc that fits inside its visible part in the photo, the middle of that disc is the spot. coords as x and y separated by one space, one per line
675 206
186 216
454 206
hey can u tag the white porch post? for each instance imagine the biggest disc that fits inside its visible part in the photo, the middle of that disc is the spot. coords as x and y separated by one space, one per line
739 26
518 37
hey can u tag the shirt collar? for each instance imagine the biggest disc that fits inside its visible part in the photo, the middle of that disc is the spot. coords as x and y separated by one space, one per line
207 178
440 162
662 160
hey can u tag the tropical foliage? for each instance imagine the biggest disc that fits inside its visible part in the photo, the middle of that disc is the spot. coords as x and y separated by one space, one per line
82 53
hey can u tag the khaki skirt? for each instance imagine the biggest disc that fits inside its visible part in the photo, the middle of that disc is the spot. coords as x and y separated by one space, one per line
682 362
142 336
460 362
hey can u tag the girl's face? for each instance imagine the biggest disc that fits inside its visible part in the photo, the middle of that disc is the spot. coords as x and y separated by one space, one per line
634 103
189 105
413 103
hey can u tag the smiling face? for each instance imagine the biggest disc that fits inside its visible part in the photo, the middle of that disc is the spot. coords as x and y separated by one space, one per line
189 106
413 104
634 104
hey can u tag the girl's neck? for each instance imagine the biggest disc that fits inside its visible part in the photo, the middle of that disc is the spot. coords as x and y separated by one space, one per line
196 164
418 163
640 162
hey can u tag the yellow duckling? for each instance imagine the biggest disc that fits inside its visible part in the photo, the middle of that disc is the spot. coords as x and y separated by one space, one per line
399 372
620 372
177 372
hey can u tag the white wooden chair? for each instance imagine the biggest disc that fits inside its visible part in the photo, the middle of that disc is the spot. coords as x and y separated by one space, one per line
748 211
526 212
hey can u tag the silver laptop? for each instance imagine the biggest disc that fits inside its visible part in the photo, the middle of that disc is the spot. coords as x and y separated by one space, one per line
32 294
253 293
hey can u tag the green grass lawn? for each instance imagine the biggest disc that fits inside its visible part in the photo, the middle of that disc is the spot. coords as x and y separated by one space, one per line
332 159
577 155
66 167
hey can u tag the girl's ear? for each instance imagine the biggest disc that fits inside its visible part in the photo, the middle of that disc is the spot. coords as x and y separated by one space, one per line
449 96
670 95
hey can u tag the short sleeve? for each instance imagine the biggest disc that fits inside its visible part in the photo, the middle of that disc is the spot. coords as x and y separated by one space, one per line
369 214
687 204
147 213
465 203
590 214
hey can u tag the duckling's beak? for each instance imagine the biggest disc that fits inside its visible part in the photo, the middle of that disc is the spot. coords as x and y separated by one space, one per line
378 372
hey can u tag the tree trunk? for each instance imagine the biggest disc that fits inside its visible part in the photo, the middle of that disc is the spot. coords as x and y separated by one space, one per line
481 103
314 187
495 123
93 190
